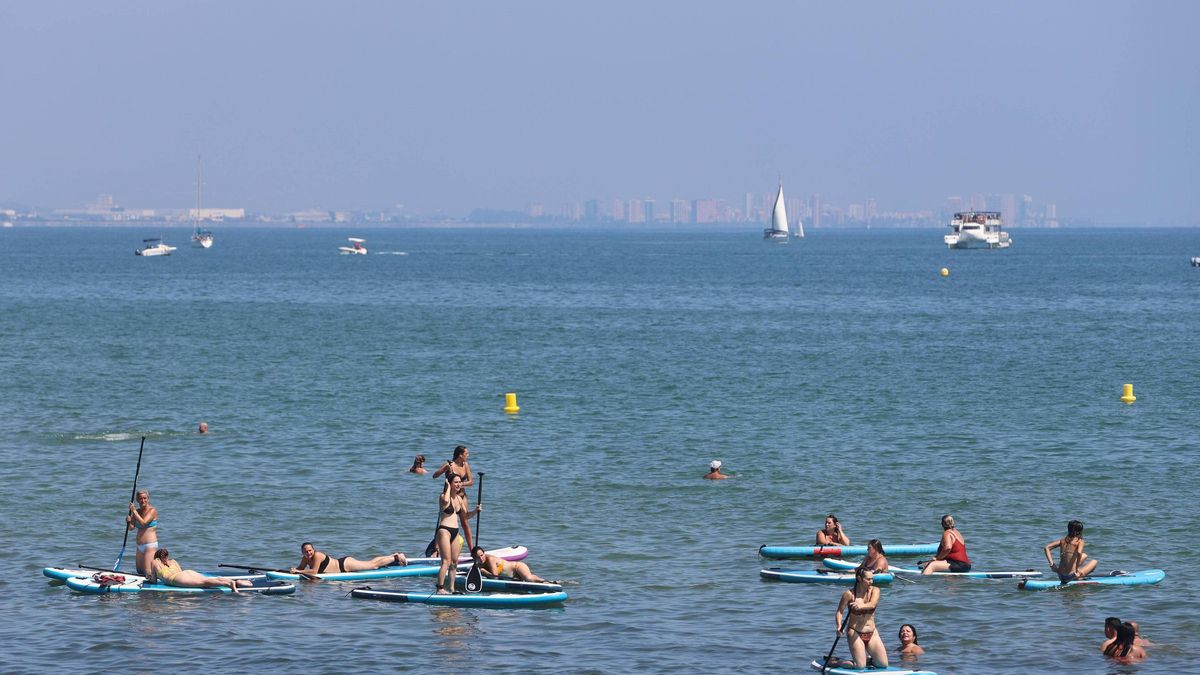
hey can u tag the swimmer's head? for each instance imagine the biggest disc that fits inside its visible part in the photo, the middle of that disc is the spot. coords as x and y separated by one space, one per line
714 465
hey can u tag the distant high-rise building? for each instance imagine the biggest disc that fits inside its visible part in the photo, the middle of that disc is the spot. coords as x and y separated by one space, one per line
871 209
1051 216
1007 206
648 209
1026 216
571 211
617 210
856 212
591 211
953 205
794 211
634 212
816 210
706 211
679 211
977 203
535 210
748 207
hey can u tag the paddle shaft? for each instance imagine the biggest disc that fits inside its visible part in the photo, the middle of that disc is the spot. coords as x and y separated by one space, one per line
133 495
845 622
475 575
478 501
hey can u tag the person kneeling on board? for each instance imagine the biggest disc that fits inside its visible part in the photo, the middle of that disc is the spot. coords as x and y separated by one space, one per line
168 571
1071 565
496 567
313 561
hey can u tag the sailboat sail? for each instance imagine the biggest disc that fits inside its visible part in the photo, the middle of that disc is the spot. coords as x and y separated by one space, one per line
779 222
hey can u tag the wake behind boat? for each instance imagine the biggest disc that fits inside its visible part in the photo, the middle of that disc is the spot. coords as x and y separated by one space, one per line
355 248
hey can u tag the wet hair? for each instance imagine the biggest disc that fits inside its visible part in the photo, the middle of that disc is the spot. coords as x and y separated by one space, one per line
307 543
1111 623
1123 642
1075 529
947 522
162 554
875 544
459 450
450 476
477 548
417 461
914 630
142 492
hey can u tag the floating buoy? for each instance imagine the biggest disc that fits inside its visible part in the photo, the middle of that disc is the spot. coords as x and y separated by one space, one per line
1127 394
945 272
510 403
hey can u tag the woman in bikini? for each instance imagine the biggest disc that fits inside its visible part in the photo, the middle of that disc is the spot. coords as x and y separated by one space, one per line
496 567
832 534
874 559
908 642
167 571
144 517
861 602
458 466
1071 565
952 551
313 562
452 514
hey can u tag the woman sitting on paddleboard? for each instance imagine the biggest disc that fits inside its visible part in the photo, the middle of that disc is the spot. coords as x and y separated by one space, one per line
1071 565
497 567
144 517
874 559
861 602
167 571
908 641
452 514
952 551
458 466
313 561
832 534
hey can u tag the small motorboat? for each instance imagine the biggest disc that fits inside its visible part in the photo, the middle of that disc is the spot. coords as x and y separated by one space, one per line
154 246
355 248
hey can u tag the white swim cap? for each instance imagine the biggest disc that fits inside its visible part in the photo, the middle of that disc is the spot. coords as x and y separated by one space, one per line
715 464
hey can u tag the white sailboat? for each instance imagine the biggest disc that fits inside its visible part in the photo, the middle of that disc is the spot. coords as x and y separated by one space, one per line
778 232
201 238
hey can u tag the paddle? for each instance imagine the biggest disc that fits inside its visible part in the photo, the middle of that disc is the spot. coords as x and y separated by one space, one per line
133 496
475 576
252 568
845 622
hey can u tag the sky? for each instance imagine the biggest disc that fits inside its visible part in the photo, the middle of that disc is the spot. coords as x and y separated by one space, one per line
448 106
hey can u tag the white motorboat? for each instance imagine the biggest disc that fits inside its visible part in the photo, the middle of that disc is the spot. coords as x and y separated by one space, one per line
154 246
778 232
977 229
201 237
355 248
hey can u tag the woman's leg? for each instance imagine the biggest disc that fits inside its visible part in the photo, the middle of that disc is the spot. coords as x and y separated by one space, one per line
1087 568
522 572
446 550
878 651
356 565
858 652
936 566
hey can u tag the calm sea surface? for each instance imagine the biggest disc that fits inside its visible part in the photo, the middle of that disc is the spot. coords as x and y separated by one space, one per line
840 373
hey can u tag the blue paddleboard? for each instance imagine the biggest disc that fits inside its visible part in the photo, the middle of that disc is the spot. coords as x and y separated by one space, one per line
819 576
1140 578
842 551
484 600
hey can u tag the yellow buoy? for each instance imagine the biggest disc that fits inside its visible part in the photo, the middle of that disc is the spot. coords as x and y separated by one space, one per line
1127 394
510 403
945 272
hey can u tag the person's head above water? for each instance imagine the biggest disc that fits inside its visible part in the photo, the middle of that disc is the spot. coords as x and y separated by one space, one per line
714 465
203 428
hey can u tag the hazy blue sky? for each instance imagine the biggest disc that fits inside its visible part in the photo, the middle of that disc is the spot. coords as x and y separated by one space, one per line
449 106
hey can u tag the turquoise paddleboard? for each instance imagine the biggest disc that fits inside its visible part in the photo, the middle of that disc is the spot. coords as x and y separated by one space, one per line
850 670
819 576
483 600
1140 578
259 585
841 551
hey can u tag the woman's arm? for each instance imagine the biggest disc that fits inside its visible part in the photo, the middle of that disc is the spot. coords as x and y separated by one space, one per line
847 596
445 467
872 599
1050 547
137 519
822 538
944 546
468 479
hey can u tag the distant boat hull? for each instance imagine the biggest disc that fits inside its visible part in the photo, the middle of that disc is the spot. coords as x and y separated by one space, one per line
150 251
777 236
347 250
203 240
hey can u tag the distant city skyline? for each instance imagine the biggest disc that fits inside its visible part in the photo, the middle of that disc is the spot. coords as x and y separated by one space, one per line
450 107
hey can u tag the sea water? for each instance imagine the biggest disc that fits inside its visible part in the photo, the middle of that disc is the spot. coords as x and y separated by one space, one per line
840 373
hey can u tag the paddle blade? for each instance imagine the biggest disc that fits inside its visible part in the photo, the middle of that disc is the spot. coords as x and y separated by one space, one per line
474 579
432 547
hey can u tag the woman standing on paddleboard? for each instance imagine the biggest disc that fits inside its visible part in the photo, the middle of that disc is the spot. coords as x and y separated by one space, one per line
144 517
832 534
458 466
452 514
952 551
861 602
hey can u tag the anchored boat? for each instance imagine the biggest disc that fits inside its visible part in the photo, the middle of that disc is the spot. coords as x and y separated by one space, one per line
778 232
977 229
355 248
154 246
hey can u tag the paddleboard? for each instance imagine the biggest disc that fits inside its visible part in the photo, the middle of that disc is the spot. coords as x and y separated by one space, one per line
511 585
841 565
841 551
259 585
397 571
508 553
849 670
64 573
1140 578
484 600
819 576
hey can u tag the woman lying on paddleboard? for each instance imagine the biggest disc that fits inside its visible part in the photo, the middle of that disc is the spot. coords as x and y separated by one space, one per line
458 465
861 602
874 559
144 517
452 514
313 561
1071 565
952 551
497 568
832 534
168 571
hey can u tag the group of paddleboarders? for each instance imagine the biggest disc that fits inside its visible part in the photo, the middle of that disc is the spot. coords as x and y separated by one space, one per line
1123 642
